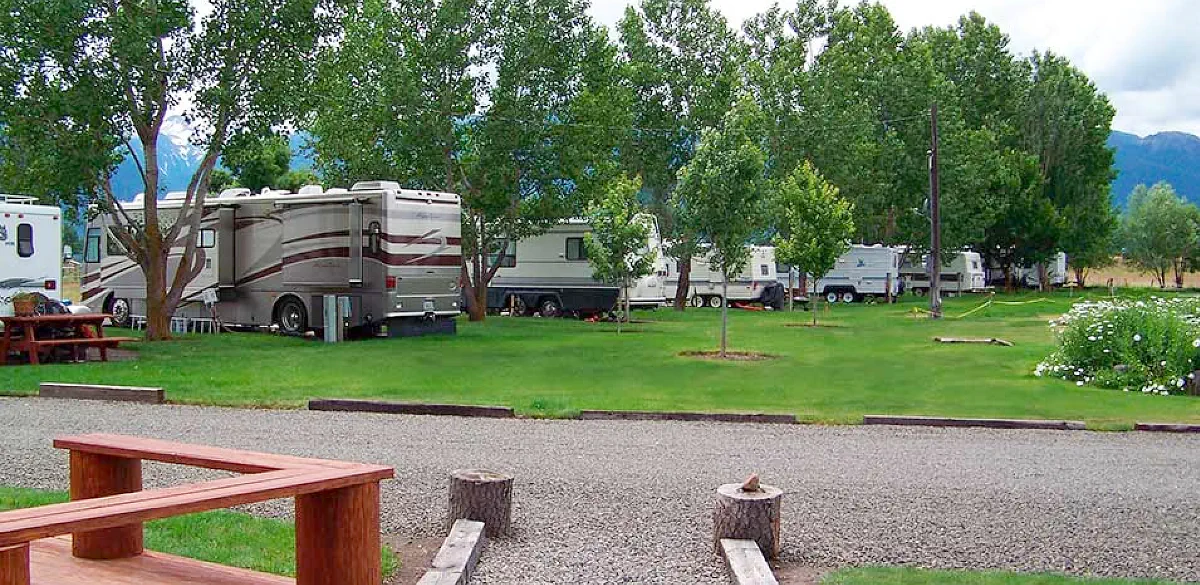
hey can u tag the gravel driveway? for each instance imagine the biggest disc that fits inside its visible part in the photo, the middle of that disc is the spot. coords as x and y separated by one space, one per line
629 502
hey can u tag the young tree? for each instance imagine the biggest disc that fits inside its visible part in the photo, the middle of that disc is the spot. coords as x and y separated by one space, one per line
616 248
257 161
720 196
88 77
1160 231
816 224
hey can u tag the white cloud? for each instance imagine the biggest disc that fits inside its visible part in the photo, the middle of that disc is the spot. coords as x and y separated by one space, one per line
1143 55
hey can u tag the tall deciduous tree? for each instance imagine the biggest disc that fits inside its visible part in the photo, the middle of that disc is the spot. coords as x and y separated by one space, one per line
257 161
1160 231
816 224
683 64
85 77
616 247
721 196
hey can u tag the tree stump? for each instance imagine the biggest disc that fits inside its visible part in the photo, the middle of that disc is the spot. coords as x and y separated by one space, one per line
748 515
483 496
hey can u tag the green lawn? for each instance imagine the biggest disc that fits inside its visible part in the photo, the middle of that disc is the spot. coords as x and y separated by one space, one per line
877 359
228 538
907 576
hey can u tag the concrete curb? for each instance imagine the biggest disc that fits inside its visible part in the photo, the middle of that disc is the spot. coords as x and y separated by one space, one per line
455 561
787 419
987 423
100 392
410 408
746 563
1166 428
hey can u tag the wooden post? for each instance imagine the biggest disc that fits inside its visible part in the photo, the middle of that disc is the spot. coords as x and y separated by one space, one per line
749 515
484 496
337 537
96 476
14 564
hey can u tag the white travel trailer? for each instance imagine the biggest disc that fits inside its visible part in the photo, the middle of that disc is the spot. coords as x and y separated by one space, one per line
393 254
1056 272
550 274
757 282
30 249
862 272
964 273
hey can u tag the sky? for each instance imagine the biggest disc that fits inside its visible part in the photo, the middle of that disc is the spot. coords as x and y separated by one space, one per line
1144 55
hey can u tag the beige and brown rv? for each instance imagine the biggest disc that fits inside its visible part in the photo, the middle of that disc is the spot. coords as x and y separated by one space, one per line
271 257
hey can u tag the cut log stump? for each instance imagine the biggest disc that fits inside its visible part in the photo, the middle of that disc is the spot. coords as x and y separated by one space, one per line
483 496
749 515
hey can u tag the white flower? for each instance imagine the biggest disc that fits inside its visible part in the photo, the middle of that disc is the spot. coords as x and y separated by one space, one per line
1137 337
1196 343
1079 383
1162 363
1091 338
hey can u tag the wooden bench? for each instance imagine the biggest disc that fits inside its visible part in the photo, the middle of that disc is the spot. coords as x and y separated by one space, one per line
77 340
337 516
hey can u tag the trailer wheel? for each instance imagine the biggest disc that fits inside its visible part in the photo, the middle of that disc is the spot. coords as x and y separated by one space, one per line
550 307
696 301
920 292
291 316
119 309
832 296
848 297
715 301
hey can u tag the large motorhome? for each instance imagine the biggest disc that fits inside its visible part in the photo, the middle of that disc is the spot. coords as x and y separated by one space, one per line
550 274
756 283
862 272
268 259
964 273
30 249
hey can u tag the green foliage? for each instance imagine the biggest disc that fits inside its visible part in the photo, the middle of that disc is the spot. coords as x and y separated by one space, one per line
221 180
1151 346
294 180
258 161
1159 231
616 246
816 224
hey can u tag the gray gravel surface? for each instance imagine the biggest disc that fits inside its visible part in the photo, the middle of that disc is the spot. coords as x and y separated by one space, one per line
629 502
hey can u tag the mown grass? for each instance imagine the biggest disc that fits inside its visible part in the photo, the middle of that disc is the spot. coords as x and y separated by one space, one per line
909 576
877 359
228 538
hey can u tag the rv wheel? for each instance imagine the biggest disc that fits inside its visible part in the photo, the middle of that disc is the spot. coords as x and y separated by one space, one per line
550 308
119 309
696 301
847 297
291 316
715 301
832 296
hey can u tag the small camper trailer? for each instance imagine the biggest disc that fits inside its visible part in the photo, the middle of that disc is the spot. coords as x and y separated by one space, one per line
550 275
964 273
862 272
31 251
756 283
393 256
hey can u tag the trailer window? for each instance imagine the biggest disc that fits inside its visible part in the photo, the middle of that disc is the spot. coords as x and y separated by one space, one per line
208 238
24 240
764 269
374 237
114 246
510 255
575 249
91 248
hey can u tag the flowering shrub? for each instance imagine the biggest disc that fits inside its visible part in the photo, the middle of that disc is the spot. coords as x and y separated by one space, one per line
1150 346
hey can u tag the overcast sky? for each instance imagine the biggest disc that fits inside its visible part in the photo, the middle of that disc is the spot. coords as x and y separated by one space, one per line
1145 54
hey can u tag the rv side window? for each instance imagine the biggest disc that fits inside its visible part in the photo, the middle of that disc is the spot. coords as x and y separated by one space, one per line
510 255
374 235
114 246
764 269
24 240
208 238
576 249
91 249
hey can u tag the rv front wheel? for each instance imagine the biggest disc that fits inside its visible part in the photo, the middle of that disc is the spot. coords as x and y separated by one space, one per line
119 309
291 317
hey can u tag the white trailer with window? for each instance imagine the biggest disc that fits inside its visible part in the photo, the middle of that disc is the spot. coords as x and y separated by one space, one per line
963 273
1056 272
756 283
862 272
30 249
550 275
392 254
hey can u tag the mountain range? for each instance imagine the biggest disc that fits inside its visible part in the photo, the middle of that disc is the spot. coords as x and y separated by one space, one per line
1168 156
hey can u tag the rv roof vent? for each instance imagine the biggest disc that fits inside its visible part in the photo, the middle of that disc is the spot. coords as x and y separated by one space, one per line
176 195
335 191
375 186
236 192
310 190
139 197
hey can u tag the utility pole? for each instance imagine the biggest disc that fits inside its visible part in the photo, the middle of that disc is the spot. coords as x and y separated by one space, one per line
935 222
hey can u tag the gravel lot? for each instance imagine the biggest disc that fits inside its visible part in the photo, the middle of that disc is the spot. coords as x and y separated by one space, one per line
629 502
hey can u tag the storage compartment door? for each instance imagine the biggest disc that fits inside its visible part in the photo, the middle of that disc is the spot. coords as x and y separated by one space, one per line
316 244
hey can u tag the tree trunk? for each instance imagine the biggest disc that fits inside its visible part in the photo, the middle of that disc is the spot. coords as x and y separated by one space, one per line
724 312
158 315
748 515
816 301
1043 277
1080 276
790 294
685 282
483 496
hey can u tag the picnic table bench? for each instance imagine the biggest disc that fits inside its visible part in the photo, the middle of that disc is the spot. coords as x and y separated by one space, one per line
337 517
77 338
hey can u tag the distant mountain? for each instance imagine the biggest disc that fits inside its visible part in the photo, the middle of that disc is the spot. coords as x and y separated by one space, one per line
1173 157
178 159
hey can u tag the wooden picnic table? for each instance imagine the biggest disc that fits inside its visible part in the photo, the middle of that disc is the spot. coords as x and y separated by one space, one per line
76 338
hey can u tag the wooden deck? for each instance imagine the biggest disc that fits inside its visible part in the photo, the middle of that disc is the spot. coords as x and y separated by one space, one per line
52 564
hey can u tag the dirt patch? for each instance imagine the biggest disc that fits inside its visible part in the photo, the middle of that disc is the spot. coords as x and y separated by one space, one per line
795 574
732 356
414 556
